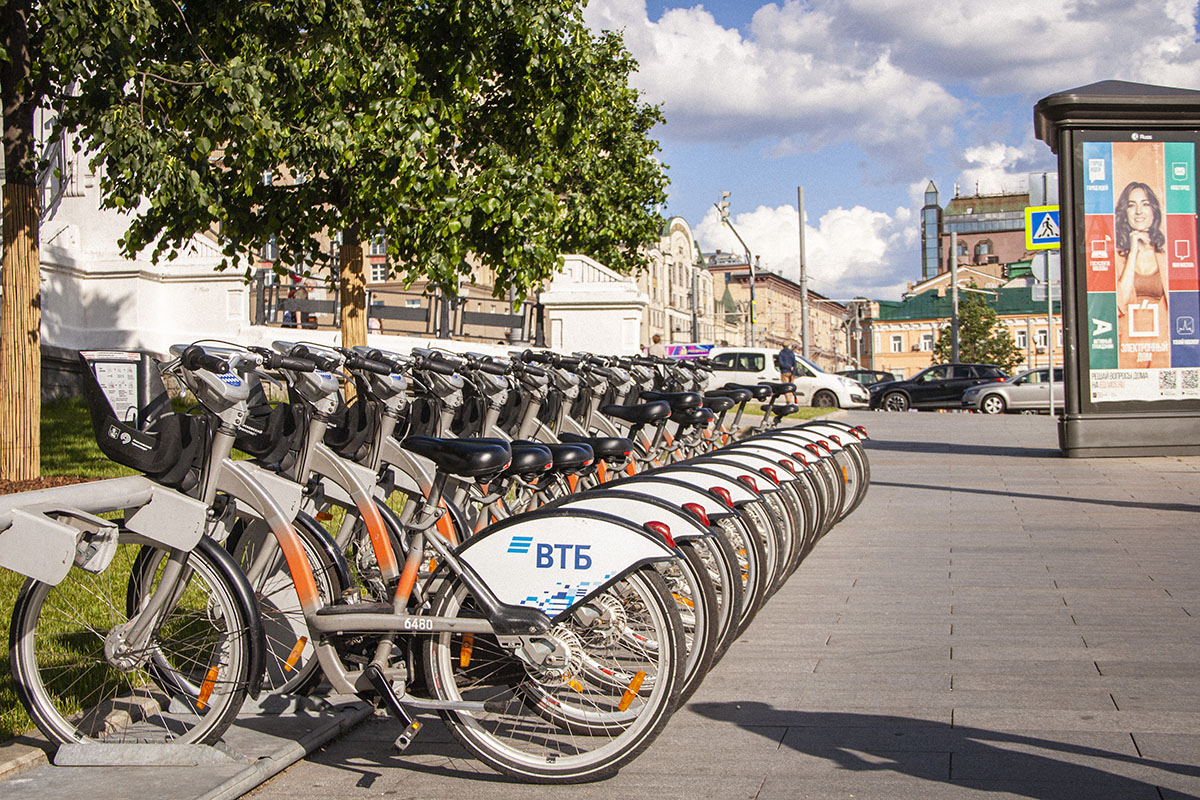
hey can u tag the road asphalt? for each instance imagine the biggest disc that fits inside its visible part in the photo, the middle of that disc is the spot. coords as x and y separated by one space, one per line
994 621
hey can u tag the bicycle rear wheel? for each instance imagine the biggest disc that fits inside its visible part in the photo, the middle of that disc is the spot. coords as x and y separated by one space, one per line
602 704
81 683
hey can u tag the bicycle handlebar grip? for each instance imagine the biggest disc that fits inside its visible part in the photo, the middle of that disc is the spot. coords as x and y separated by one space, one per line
294 364
440 367
530 369
394 364
327 363
194 358
492 368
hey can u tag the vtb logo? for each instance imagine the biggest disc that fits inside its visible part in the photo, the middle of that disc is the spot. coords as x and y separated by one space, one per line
548 556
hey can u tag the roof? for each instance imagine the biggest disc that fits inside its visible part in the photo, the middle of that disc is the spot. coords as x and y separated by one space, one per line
986 204
928 305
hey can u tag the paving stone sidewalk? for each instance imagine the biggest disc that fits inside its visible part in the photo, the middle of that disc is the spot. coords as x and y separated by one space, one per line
994 621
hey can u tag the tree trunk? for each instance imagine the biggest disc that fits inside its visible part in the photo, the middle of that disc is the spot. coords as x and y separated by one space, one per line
20 283
20 337
353 290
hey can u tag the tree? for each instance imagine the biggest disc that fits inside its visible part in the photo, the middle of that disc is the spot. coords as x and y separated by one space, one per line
495 131
21 89
981 339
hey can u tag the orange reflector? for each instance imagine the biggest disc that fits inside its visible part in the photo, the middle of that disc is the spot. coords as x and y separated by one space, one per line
464 653
845 475
681 599
323 516
206 688
573 480
601 471
432 565
577 686
294 656
632 691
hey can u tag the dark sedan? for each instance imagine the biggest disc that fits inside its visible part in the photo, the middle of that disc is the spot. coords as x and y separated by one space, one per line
868 377
939 386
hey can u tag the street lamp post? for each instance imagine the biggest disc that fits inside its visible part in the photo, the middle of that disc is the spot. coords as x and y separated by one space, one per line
723 208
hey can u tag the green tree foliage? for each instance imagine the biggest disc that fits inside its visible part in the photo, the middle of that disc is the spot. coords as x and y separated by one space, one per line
501 130
981 338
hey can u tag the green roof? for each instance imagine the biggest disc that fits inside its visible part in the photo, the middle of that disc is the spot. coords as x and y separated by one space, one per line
986 204
927 305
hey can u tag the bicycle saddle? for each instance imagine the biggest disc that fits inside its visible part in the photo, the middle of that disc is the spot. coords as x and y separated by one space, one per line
470 458
609 448
693 416
718 403
529 460
570 458
640 414
760 391
678 400
781 410
736 395
780 388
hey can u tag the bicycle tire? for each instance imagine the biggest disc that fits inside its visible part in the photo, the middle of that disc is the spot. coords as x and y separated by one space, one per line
74 693
522 741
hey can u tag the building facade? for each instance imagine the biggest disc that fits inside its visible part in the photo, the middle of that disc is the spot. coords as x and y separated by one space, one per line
679 287
777 317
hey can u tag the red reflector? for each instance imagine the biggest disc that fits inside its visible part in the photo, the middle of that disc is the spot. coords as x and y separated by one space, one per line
770 473
698 511
824 444
836 440
662 530
812 448
723 493
788 465
746 479
803 459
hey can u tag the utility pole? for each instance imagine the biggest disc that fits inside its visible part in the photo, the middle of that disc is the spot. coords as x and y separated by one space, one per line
954 297
723 208
803 279
695 303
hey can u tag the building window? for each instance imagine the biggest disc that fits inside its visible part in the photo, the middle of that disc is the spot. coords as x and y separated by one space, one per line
270 251
927 341
983 249
378 246
1039 337
412 302
897 343
379 271
1022 339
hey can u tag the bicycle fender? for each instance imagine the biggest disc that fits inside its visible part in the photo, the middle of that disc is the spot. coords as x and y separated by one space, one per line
706 477
641 508
554 560
672 490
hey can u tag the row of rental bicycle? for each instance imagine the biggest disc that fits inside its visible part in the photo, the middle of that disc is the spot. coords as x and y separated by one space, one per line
550 551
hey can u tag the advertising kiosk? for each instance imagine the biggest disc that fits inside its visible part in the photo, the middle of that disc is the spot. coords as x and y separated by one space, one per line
1127 158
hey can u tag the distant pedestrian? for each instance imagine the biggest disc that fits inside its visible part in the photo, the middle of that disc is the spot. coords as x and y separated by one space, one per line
656 347
787 368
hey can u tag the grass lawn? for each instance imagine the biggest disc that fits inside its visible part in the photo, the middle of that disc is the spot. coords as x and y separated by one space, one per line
68 448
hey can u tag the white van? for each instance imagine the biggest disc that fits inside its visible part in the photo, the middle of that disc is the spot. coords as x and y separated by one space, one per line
814 386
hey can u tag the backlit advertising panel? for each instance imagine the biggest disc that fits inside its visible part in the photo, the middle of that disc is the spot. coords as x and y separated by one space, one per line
1140 266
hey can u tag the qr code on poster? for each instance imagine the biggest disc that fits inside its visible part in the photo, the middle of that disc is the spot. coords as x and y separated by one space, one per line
1189 378
1166 379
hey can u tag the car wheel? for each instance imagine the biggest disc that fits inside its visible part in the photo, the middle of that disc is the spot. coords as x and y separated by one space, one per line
825 399
992 404
895 401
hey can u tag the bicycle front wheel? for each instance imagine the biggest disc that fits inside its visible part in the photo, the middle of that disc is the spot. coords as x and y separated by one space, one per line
581 719
81 681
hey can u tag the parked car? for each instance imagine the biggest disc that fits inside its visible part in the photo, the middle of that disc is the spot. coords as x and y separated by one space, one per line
867 377
1025 392
939 386
814 386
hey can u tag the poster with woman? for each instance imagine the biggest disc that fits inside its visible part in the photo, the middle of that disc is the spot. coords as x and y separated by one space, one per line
1141 269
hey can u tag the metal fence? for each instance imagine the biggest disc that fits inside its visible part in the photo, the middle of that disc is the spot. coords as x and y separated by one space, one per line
397 312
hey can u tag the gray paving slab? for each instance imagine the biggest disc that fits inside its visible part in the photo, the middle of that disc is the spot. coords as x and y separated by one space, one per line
993 622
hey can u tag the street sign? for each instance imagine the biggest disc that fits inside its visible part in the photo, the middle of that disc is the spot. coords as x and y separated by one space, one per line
1037 292
1045 266
1041 227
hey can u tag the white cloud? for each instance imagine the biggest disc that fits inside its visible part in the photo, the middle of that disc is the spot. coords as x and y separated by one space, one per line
850 251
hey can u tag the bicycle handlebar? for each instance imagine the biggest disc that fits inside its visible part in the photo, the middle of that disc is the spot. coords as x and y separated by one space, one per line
194 358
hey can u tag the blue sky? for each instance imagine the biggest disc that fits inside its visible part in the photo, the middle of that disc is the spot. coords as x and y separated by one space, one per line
863 102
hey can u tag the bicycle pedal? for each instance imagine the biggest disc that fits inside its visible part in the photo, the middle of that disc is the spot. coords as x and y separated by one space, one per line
406 738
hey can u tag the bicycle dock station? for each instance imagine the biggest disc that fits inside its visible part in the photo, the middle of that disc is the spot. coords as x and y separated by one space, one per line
559 547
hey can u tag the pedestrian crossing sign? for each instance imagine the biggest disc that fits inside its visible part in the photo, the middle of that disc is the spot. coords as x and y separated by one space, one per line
1041 228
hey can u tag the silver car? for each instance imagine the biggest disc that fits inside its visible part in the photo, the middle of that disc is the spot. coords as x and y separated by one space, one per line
1025 392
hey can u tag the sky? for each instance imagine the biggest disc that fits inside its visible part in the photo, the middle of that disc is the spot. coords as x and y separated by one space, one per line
863 103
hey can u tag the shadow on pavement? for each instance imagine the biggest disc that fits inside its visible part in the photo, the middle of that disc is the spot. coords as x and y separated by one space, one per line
1134 504
1008 451
991 760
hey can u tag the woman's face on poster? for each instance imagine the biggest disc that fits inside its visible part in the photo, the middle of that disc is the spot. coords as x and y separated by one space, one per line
1138 210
